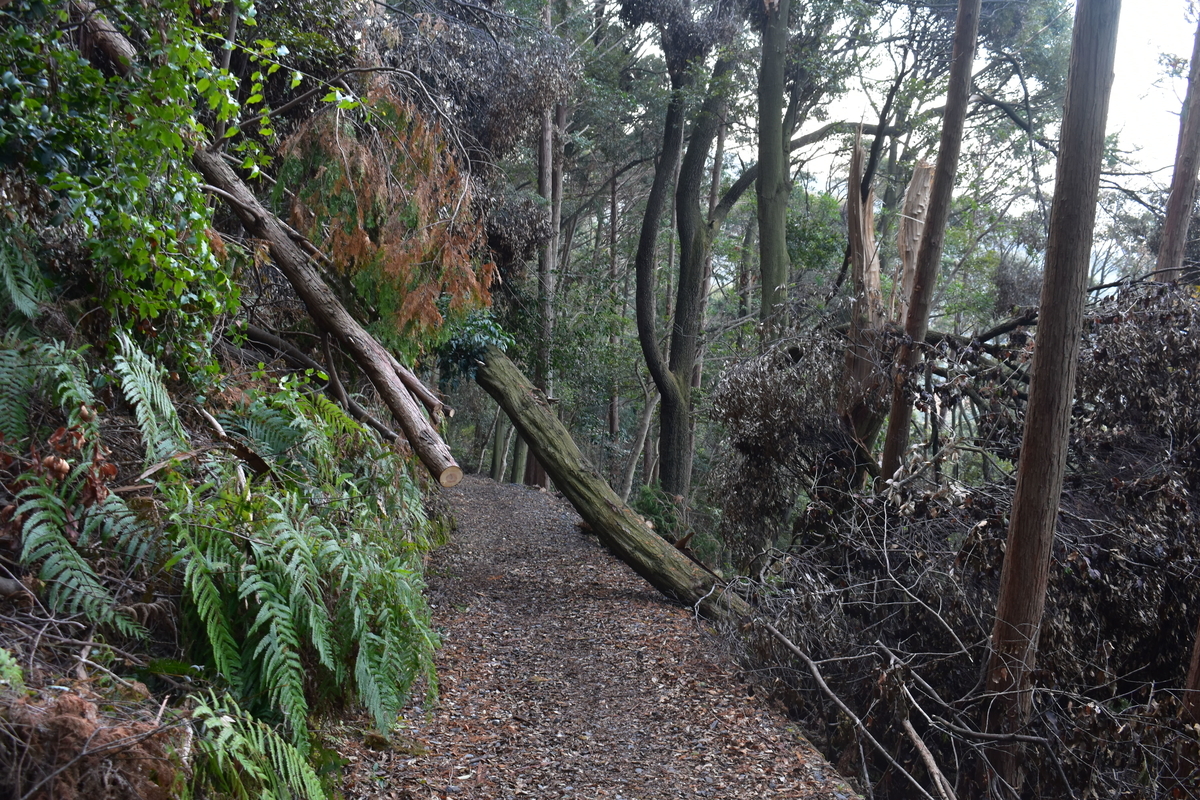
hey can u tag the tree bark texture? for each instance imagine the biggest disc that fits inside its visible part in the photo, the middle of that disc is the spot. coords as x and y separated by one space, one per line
1183 184
1044 444
773 186
908 235
621 530
384 372
929 255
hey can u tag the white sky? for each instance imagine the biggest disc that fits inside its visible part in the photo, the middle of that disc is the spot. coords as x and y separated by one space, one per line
1144 109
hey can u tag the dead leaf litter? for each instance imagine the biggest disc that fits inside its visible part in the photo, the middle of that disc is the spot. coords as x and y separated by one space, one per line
564 675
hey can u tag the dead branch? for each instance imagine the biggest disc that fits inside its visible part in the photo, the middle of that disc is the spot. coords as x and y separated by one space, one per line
858 723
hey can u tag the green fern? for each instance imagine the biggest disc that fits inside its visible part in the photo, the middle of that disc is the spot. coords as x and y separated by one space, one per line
60 530
243 757
314 570
72 586
141 381
18 373
21 279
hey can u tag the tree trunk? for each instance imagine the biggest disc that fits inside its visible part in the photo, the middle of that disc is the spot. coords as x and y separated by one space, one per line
1183 185
639 441
1052 385
621 530
644 262
745 280
908 237
773 185
516 471
929 255
859 398
695 244
500 448
714 194
614 403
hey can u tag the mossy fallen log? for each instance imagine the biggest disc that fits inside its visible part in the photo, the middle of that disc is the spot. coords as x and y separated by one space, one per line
625 533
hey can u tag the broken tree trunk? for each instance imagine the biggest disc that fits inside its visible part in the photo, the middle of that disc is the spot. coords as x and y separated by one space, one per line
908 237
621 530
860 400
324 307
385 373
929 255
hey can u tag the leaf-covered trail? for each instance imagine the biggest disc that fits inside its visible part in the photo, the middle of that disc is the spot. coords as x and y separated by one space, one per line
563 675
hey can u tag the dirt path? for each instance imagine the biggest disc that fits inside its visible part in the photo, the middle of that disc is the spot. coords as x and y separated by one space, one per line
564 675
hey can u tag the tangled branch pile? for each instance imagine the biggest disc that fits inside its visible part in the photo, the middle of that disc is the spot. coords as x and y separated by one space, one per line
892 596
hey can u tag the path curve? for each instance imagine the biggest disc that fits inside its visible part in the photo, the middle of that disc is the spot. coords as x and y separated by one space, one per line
564 675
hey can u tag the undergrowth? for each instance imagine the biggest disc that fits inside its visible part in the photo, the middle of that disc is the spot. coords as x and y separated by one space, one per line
292 536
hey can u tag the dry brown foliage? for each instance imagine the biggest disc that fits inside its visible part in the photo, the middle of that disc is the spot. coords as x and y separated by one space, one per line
385 197
892 594
65 748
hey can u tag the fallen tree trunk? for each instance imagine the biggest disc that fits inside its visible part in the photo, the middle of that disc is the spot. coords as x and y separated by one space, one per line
621 530
386 374
324 307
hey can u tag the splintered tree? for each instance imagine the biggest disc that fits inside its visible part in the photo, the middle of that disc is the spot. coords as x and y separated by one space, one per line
929 255
1043 457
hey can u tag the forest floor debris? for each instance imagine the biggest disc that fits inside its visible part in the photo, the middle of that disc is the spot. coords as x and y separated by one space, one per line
564 675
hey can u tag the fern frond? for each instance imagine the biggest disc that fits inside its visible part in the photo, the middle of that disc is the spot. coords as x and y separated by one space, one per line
21 278
141 381
17 376
71 583
205 565
277 651
245 757
112 524
73 386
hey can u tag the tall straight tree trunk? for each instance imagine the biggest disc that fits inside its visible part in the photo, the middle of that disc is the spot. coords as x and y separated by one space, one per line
645 419
745 273
547 259
714 194
1183 185
516 472
929 256
500 448
773 185
1044 444
614 402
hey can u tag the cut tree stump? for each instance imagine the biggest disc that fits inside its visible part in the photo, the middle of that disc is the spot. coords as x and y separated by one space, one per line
625 533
